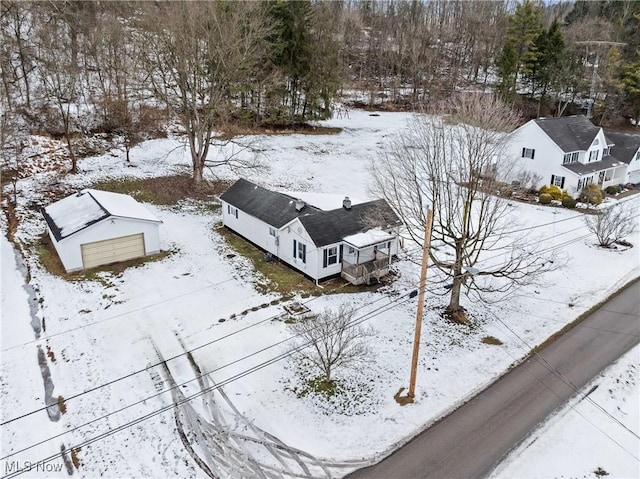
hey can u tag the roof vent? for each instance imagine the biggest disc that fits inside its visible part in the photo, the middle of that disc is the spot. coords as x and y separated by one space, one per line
299 205
346 203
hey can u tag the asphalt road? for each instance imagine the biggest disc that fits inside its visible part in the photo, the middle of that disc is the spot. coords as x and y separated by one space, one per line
471 441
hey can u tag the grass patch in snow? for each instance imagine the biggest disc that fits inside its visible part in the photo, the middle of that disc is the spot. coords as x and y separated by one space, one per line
233 130
165 190
50 260
277 277
492 340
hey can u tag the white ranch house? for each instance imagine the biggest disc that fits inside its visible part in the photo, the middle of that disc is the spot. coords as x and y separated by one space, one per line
356 241
571 152
93 228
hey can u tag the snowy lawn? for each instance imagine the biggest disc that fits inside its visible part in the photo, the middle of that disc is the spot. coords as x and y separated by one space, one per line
100 331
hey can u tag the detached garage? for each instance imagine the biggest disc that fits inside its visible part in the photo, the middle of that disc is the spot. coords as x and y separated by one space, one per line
93 228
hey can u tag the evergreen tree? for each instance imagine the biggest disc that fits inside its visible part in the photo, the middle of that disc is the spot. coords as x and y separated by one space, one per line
305 60
548 61
631 86
520 52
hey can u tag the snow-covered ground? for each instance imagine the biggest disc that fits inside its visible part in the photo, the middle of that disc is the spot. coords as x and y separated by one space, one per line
103 330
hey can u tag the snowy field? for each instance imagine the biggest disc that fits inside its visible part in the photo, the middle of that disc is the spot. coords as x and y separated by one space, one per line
102 337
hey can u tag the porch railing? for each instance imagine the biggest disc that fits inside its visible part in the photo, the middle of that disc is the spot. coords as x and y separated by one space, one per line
366 272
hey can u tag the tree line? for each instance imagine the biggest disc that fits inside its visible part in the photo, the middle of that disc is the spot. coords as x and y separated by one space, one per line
74 67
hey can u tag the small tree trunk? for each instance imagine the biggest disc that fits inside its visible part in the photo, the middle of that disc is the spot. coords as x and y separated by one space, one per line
454 302
72 156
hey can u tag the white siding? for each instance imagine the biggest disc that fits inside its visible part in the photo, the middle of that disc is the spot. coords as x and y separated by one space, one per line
113 227
633 170
548 156
295 231
255 230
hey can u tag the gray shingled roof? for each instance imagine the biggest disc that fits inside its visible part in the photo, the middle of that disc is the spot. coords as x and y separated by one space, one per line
329 227
584 168
570 133
324 227
275 209
625 145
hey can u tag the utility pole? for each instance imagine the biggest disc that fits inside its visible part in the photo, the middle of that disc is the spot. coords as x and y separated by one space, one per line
595 77
402 400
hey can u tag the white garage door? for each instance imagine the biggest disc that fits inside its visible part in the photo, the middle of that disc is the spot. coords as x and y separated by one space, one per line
112 250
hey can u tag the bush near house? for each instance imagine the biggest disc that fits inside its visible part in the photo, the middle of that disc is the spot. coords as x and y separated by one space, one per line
591 194
544 198
555 192
569 202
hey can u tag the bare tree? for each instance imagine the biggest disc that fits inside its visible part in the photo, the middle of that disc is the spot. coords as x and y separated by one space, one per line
196 53
12 143
330 340
612 224
451 163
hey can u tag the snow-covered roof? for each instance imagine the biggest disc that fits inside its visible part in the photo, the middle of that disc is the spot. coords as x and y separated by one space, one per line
368 238
78 211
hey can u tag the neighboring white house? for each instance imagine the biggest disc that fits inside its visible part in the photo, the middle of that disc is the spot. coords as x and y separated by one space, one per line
356 241
626 147
92 228
571 152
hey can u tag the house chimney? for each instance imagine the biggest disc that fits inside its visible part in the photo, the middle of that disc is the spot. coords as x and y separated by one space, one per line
346 203
299 205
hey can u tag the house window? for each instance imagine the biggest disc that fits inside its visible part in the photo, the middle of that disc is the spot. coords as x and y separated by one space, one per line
606 151
570 158
582 182
593 156
330 256
528 153
352 250
272 231
299 251
558 181
232 211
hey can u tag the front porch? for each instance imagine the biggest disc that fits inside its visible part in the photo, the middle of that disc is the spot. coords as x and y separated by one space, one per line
365 273
367 256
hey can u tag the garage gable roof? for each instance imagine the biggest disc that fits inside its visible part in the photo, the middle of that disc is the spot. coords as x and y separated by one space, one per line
87 207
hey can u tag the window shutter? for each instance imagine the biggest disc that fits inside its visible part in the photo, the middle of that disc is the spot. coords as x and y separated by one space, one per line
228 209
533 154
523 152
304 253
295 249
552 178
340 257
236 213
324 258
562 182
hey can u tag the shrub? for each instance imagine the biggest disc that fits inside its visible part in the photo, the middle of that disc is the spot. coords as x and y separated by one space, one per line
611 190
504 189
555 192
544 198
591 194
569 202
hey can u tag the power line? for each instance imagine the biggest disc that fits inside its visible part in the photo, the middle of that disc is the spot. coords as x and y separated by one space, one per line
126 376
560 397
366 317
126 313
175 357
551 368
